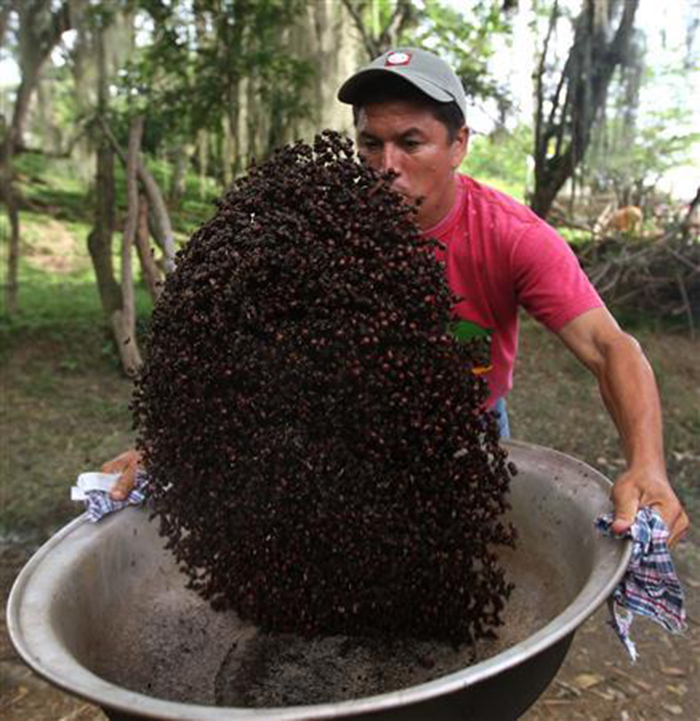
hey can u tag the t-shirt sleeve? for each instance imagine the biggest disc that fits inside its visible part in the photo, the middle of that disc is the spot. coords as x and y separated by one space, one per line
549 281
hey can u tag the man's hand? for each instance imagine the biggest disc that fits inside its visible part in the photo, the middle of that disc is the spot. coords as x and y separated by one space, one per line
634 489
127 464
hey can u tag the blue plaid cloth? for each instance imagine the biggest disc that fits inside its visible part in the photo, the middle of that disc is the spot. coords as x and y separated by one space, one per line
650 586
99 503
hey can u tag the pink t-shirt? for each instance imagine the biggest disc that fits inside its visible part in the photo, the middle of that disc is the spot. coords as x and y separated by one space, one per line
499 255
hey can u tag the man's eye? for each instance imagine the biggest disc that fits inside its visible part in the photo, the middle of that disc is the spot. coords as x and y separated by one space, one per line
371 145
411 144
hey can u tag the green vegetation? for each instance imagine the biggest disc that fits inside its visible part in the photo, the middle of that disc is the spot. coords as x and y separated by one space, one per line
54 186
502 160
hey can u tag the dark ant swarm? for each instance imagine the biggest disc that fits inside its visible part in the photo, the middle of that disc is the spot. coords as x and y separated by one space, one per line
302 407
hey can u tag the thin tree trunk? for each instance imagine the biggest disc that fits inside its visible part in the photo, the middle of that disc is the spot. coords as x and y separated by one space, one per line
586 76
227 151
100 238
203 159
124 319
151 274
244 154
12 286
37 40
160 220
9 195
177 183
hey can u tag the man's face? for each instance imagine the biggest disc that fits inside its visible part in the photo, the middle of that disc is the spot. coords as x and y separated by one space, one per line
405 137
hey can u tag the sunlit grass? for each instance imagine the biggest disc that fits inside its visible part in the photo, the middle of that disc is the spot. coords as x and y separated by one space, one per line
56 279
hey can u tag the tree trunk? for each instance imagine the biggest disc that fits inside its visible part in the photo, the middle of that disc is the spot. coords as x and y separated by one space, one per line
562 138
323 34
203 160
84 71
160 219
149 267
242 132
11 200
124 319
100 238
161 226
227 151
45 126
40 31
181 160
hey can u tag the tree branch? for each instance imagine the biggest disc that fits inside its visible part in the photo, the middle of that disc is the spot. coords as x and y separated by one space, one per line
541 152
163 232
356 16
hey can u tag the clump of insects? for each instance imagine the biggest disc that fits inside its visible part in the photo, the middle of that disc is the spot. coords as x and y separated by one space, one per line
319 455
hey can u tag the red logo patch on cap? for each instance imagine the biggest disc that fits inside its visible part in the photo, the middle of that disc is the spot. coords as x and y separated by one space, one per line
398 58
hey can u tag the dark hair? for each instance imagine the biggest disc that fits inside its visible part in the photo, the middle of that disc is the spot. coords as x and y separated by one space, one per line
391 88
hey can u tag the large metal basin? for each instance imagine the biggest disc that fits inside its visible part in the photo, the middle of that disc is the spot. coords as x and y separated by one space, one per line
102 612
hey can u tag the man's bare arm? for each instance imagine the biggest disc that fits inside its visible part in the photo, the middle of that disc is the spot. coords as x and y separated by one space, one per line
629 390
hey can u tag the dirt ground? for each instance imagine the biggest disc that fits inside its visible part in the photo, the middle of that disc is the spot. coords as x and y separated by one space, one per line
65 411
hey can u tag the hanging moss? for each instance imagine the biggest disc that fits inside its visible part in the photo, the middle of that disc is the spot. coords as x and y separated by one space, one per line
301 410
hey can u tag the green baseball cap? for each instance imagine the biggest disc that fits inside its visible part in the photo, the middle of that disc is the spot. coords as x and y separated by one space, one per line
422 69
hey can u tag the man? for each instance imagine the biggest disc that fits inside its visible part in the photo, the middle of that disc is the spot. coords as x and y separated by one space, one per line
410 111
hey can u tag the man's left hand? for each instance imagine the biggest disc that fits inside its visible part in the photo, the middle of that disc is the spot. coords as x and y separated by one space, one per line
636 488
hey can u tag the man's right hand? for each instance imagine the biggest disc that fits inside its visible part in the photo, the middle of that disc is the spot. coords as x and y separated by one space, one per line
127 464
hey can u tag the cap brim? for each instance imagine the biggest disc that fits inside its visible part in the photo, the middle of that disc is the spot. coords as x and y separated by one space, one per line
351 90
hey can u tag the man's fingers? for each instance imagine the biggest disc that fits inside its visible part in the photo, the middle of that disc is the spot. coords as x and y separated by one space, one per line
126 464
634 489
121 462
626 500
116 465
124 485
678 529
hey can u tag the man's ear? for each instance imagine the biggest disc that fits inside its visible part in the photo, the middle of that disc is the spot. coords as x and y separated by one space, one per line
459 147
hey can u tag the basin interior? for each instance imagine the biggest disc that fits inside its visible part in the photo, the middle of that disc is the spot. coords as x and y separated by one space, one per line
124 613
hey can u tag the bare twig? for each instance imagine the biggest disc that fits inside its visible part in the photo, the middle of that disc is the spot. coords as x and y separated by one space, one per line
687 306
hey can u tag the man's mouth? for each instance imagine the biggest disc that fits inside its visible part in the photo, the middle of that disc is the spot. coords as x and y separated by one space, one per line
402 191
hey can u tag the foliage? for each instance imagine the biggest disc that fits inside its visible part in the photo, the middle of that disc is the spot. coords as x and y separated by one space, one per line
633 170
187 75
502 160
465 39
381 23
631 151
50 185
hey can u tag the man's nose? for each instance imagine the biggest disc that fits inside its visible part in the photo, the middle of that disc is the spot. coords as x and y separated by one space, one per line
390 159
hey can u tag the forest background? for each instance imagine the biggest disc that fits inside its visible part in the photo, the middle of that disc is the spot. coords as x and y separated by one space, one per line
122 121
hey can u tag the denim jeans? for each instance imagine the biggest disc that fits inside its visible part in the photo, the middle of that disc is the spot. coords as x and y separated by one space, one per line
502 415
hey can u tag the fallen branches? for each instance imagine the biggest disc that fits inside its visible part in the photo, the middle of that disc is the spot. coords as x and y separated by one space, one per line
659 276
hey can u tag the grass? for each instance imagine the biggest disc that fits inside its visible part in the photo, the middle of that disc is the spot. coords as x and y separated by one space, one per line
64 399
54 187
556 403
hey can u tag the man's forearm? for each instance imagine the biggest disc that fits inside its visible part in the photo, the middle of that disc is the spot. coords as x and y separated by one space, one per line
629 390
